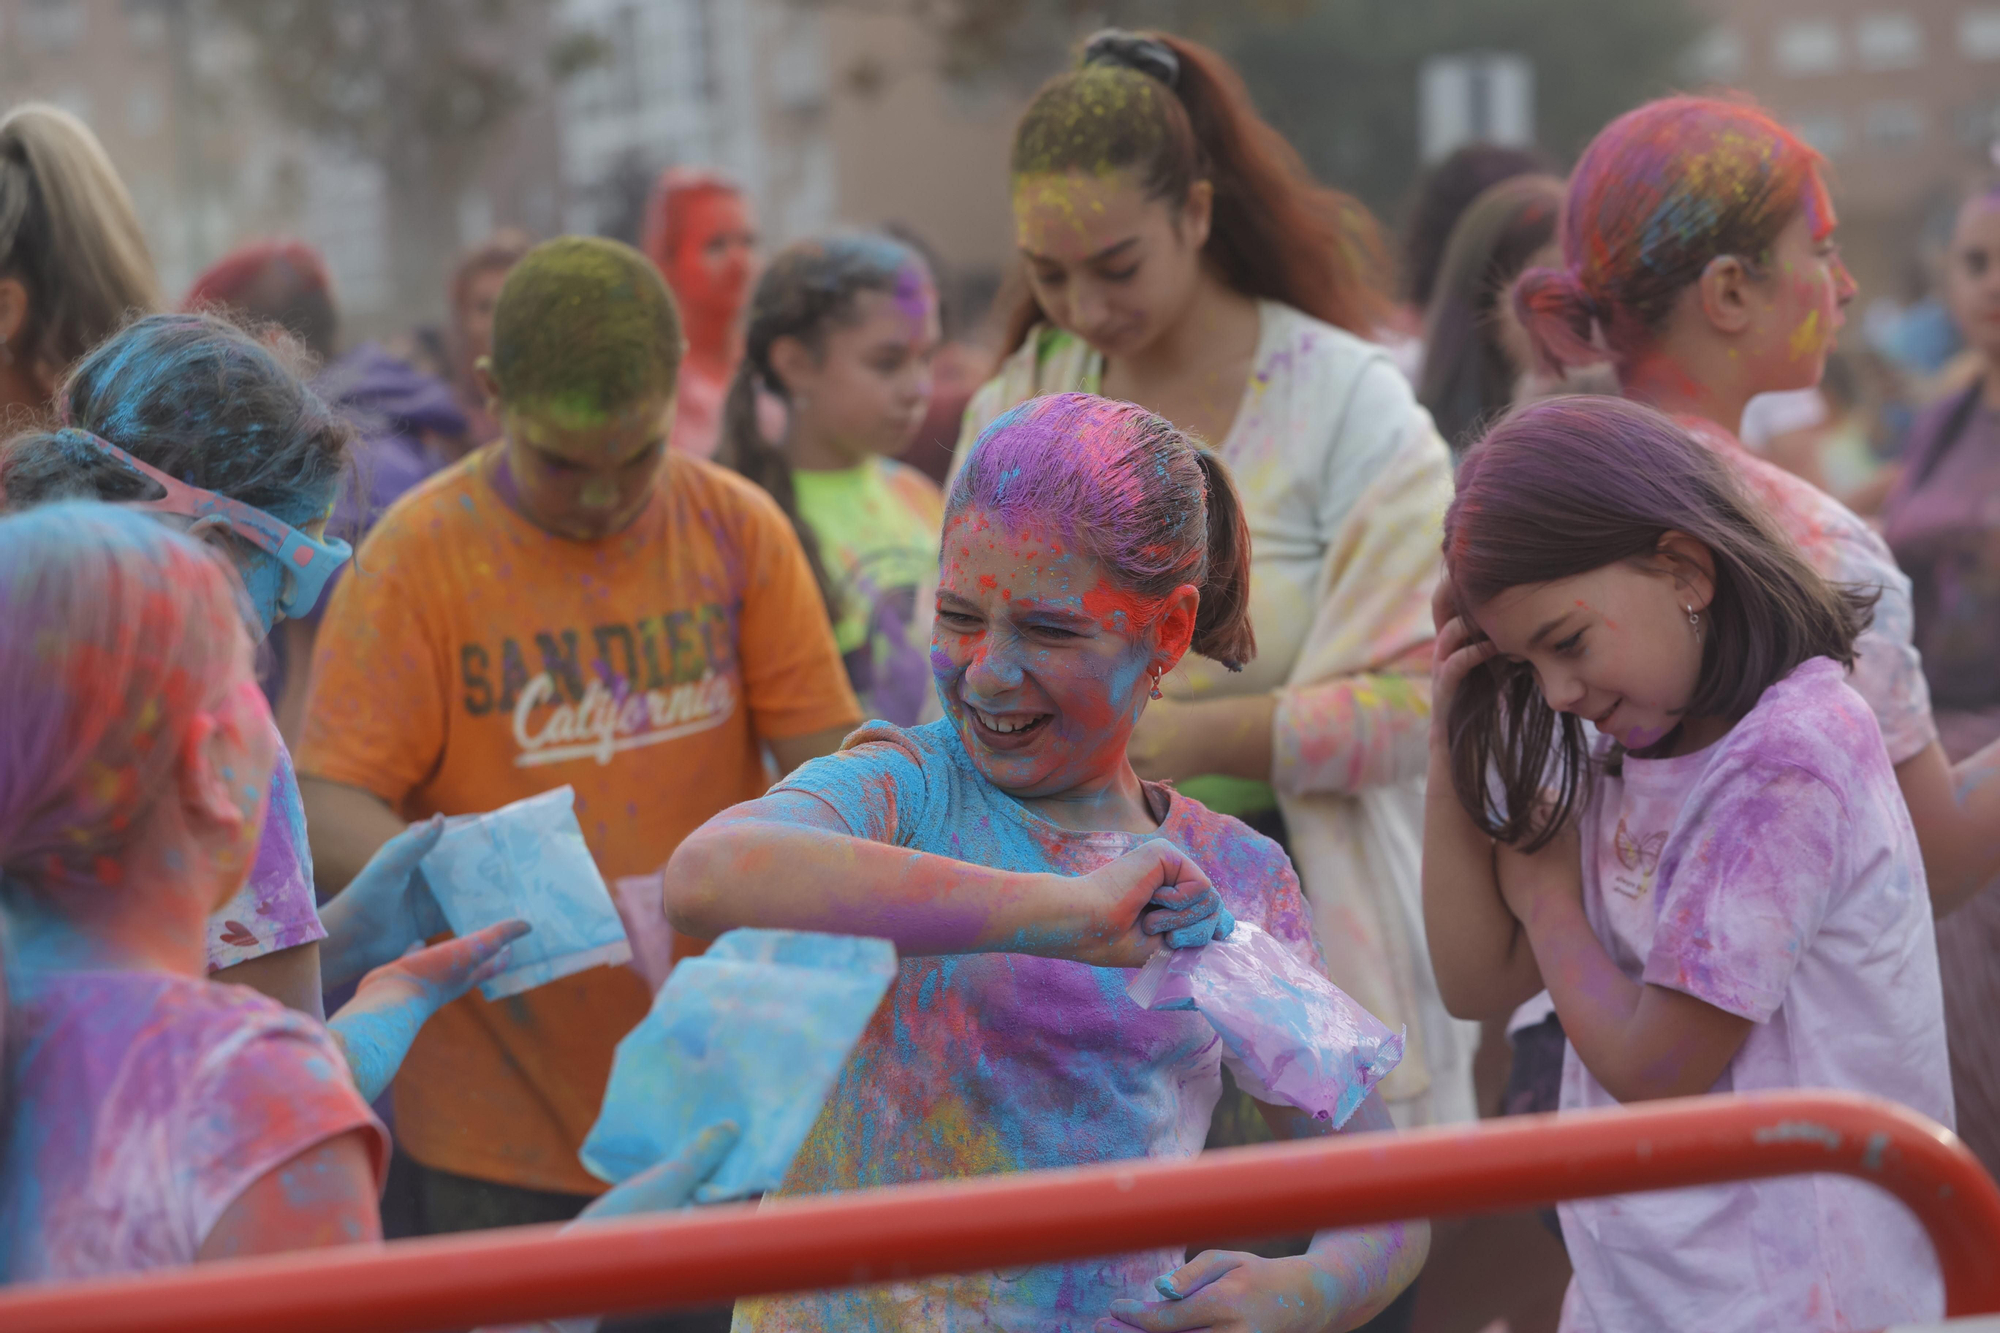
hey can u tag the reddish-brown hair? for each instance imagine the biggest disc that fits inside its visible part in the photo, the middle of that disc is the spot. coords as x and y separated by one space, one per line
1276 232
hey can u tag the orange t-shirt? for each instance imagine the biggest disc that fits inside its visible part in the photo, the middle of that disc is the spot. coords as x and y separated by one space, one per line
471 659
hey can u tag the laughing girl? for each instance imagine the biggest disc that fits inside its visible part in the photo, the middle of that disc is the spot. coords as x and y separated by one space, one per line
1019 864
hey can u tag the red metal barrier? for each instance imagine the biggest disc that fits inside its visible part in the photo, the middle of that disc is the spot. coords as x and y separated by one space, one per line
710 1255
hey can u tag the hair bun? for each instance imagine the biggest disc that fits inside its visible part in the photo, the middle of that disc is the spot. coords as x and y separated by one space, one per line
1147 55
1560 316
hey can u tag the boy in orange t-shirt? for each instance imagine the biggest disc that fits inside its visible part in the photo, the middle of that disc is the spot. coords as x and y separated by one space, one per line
573 604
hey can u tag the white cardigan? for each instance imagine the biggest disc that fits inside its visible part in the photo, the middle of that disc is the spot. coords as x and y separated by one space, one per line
1344 483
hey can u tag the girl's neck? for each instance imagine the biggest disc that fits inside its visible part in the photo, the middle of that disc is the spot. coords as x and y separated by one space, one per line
812 448
1114 802
1218 329
1688 386
713 346
144 923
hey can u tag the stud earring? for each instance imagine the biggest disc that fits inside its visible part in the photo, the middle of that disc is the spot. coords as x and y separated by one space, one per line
1694 623
1156 687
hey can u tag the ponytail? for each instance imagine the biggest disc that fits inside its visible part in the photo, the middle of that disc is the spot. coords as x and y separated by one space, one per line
1175 112
1559 318
743 447
69 235
1222 623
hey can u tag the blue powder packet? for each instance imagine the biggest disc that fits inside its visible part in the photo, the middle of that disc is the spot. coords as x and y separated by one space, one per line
528 860
756 1030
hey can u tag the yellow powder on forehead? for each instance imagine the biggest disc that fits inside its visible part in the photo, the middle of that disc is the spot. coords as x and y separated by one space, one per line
1100 119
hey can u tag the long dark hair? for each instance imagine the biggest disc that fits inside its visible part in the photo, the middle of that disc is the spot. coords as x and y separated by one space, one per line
808 287
1175 112
1135 493
1569 485
1468 377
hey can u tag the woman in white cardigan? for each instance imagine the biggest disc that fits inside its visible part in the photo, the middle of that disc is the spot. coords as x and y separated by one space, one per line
1178 256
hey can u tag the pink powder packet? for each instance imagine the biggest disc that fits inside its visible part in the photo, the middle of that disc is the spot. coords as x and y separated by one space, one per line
641 903
1290 1036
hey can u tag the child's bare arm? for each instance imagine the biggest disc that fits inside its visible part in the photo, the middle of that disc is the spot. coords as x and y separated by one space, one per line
323 1196
787 862
1638 1040
1483 964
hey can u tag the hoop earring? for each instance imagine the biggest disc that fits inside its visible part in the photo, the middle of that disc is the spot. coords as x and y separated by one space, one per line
1156 686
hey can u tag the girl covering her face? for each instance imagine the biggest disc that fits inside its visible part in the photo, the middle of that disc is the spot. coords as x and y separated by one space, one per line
1019 864
1720 888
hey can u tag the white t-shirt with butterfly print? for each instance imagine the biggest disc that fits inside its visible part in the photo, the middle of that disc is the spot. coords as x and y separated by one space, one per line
1774 875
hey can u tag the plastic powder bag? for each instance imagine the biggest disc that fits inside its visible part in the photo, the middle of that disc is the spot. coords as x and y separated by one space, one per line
755 1031
641 903
528 860
1291 1037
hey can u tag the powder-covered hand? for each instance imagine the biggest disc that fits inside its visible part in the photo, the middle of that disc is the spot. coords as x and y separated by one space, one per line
1460 648
672 1183
384 910
375 1028
1232 1292
1154 890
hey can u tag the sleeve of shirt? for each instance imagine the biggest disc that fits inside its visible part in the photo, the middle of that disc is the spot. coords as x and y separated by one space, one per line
271 1091
878 782
791 666
1888 669
275 909
1362 718
1745 882
376 708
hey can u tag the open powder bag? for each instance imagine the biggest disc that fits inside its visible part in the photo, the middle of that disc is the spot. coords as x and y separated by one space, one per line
1290 1036
754 1031
528 860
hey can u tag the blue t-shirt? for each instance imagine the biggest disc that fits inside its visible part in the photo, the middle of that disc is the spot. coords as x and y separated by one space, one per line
987 1063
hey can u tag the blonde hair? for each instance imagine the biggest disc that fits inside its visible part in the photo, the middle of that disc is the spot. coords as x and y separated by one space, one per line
69 234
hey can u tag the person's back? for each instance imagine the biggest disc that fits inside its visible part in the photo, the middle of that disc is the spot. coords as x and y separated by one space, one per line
145 1104
154 1118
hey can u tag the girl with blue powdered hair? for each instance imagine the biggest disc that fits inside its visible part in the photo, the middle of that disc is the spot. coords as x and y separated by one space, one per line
208 429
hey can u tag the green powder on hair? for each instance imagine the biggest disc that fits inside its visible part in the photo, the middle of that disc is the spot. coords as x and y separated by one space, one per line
1098 119
584 330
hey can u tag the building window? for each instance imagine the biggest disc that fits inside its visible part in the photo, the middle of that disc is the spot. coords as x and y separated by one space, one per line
1888 41
1893 124
1824 130
1979 33
1808 46
1717 56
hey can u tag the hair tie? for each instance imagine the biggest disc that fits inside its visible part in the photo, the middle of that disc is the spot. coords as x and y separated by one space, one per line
1148 55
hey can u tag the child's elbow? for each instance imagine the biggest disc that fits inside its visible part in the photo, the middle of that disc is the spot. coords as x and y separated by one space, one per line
693 880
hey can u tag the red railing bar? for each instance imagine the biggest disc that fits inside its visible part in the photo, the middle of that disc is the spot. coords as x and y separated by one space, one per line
712 1255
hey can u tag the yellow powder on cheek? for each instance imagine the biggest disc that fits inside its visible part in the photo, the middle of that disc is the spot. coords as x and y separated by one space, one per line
598 493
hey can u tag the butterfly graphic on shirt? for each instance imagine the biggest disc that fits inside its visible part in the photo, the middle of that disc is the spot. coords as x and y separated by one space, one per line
1640 856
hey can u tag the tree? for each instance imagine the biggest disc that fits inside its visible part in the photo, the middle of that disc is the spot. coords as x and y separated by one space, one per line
417 87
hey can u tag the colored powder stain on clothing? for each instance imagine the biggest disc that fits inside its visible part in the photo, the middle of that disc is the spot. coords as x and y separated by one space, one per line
878 529
1002 1062
275 909
1773 875
142 1106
